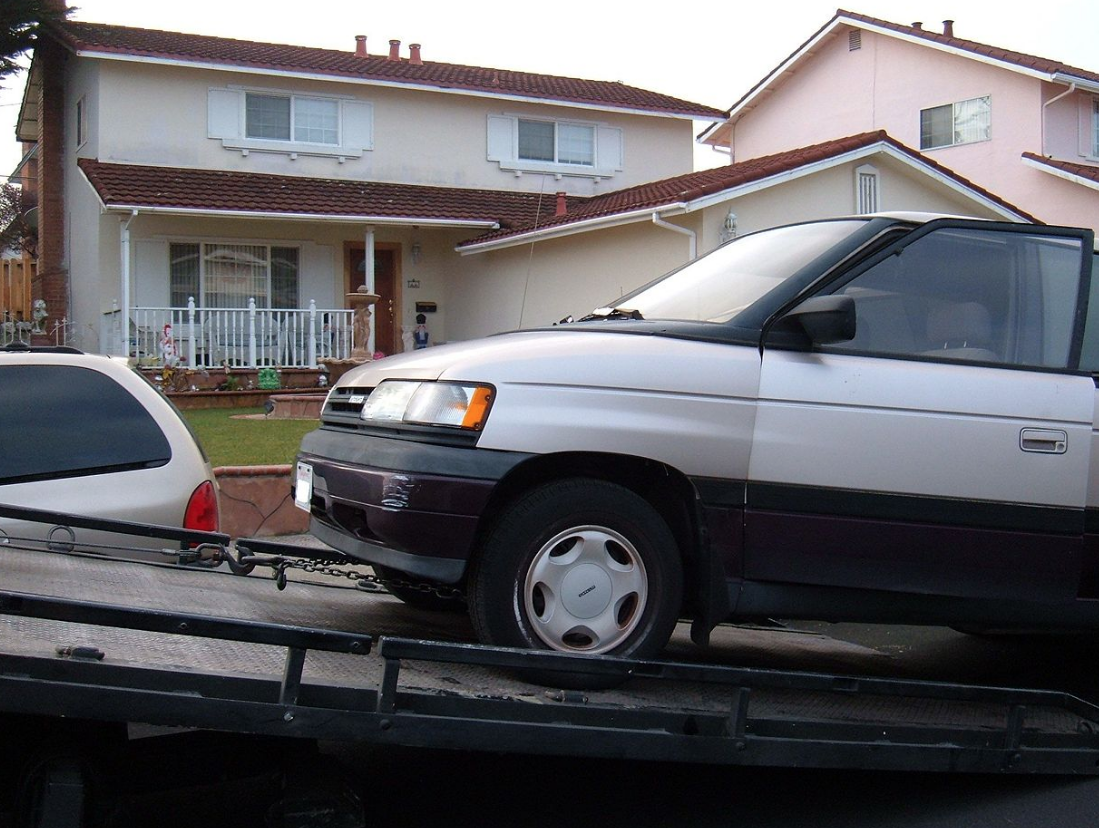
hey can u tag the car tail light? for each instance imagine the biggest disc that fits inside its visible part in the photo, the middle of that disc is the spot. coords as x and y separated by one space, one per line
202 509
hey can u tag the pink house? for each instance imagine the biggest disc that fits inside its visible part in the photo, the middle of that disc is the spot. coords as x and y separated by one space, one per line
1024 127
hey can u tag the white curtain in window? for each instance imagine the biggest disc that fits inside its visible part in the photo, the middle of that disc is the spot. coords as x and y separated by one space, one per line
575 144
316 121
235 273
971 120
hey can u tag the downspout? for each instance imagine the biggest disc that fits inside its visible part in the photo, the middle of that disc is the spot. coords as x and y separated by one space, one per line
659 222
124 323
1066 93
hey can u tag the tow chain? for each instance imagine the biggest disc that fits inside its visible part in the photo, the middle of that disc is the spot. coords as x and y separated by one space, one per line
243 563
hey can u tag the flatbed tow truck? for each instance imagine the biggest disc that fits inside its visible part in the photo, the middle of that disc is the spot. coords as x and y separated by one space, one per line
94 647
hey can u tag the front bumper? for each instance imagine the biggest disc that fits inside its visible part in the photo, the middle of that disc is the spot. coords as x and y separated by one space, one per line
408 505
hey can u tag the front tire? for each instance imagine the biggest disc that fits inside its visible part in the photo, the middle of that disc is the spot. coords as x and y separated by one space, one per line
578 566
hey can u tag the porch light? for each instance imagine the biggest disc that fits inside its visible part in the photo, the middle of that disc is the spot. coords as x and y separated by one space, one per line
417 252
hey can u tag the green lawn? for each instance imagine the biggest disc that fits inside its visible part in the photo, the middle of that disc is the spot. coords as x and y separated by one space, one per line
238 442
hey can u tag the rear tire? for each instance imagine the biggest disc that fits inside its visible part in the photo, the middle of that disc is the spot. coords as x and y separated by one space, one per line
578 566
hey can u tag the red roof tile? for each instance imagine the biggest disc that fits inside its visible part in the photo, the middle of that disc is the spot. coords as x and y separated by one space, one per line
123 40
130 185
1039 64
1020 59
692 186
1089 172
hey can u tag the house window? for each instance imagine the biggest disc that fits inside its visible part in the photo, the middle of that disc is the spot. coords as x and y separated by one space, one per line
556 143
866 190
227 275
81 122
1095 127
964 122
292 118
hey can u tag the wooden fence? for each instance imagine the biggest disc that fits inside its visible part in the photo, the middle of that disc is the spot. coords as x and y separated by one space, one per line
15 288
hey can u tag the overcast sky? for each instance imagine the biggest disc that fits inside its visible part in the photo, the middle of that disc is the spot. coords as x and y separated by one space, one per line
702 51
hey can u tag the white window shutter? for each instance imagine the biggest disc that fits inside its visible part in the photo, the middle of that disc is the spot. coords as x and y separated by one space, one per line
358 125
609 153
501 138
224 111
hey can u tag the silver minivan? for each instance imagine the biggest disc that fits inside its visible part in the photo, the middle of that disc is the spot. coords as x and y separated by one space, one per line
886 418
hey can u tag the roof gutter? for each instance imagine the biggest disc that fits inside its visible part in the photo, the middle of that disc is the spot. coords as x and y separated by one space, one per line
1067 176
342 219
558 231
691 234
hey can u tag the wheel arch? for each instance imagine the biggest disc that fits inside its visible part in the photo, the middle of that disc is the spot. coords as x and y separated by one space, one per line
665 488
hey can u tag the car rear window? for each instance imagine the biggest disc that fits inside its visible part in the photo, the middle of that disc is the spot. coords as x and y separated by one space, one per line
68 421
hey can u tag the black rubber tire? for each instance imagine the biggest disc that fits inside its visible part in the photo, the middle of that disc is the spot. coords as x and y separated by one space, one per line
427 601
499 572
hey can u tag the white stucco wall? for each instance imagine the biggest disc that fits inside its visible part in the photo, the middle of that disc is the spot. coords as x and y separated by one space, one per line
152 114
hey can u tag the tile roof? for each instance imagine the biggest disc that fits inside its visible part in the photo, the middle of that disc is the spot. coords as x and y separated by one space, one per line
1039 64
1023 61
1090 172
124 40
131 185
696 185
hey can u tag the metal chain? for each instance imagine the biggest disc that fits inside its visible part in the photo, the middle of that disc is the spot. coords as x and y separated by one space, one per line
335 568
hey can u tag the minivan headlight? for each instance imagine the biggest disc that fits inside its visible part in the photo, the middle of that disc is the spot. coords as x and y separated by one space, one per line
450 404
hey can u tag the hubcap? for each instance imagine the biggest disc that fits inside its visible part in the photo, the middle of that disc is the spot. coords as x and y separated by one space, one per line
586 590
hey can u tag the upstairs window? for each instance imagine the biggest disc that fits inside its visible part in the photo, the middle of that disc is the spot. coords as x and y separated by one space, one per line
556 143
1095 127
292 118
964 122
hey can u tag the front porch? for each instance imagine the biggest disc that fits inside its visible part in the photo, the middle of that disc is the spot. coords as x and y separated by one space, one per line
242 337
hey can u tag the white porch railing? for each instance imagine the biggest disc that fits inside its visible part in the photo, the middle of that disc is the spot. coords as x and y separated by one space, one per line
244 337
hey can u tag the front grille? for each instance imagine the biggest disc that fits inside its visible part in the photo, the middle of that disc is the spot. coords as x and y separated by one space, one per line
344 406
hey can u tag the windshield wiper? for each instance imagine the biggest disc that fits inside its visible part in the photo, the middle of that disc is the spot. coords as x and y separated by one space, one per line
613 313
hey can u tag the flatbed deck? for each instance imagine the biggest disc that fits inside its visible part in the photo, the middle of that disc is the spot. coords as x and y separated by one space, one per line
415 678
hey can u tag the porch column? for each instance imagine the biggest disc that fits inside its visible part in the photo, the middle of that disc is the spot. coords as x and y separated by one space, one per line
124 322
368 279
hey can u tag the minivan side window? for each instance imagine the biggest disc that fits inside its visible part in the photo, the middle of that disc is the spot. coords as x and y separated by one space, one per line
1089 354
972 295
67 421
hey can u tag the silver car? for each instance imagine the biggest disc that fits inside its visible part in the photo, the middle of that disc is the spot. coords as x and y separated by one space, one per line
85 434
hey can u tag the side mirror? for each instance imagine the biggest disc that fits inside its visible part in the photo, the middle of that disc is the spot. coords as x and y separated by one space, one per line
824 319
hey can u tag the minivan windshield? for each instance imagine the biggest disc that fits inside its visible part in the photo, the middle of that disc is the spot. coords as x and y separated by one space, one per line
718 286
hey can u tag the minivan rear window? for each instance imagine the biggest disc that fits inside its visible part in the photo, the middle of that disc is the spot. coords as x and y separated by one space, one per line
68 421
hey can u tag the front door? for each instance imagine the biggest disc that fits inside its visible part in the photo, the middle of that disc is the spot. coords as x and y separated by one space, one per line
945 450
386 285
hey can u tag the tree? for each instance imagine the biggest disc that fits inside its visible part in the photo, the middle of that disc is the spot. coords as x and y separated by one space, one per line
15 232
19 22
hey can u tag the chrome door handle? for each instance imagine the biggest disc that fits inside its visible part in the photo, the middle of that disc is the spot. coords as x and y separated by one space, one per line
1043 440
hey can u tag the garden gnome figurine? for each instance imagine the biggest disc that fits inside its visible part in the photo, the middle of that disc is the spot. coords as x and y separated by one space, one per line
168 353
420 335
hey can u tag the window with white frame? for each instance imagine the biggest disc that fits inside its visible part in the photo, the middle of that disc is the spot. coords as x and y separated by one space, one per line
556 143
292 118
549 146
228 274
256 120
964 122
81 122
1095 127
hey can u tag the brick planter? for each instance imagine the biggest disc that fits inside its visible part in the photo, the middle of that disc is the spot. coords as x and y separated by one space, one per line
256 501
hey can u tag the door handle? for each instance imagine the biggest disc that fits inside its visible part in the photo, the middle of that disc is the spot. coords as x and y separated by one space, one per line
1043 440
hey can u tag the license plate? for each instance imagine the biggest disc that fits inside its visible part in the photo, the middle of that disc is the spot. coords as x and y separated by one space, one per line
303 486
